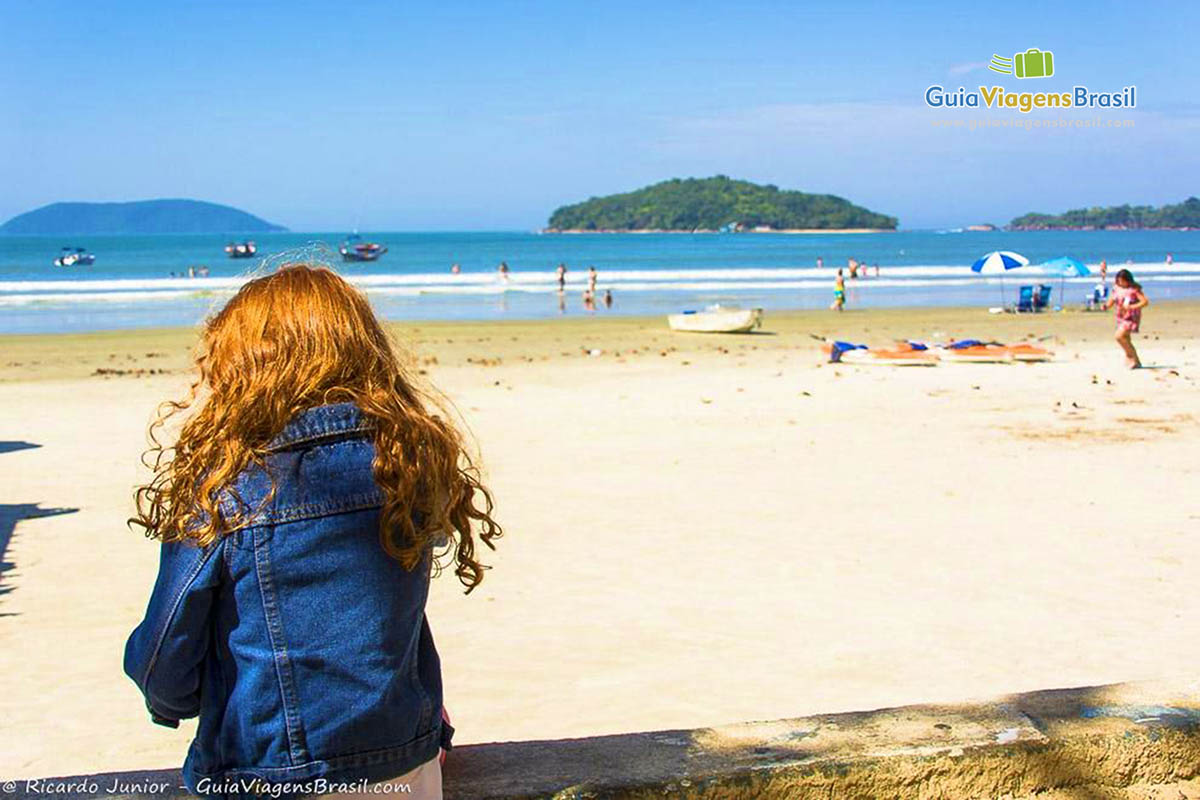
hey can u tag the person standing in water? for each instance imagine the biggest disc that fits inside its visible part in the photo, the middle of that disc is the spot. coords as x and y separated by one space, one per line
561 274
1129 300
592 277
503 270
608 299
839 292
820 262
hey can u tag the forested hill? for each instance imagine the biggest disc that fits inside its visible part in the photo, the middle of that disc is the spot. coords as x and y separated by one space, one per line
144 216
1180 215
711 204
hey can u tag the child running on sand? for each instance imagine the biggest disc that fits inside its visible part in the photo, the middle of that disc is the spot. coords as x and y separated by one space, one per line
299 513
1129 300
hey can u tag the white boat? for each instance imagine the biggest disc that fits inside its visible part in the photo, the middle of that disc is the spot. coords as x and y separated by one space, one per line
717 319
74 257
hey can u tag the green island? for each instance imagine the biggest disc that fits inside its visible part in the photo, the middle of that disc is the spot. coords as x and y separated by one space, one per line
717 204
1181 216
139 217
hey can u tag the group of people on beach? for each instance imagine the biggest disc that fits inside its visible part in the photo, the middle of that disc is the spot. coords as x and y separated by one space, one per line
589 298
194 272
589 294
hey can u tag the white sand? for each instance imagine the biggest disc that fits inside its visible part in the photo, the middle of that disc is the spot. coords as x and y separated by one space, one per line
688 544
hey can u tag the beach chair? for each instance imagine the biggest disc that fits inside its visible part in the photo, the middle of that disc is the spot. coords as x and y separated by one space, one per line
1025 300
1041 299
1098 298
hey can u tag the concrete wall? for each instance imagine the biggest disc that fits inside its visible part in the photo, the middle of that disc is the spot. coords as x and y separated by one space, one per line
1122 741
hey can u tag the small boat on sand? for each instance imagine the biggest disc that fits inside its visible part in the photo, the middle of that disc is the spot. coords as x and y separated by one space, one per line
354 249
241 249
74 257
717 319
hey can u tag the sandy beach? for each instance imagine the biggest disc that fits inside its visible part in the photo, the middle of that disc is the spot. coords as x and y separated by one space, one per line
700 529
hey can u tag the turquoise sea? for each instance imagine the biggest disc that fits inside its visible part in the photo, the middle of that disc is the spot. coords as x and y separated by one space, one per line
141 281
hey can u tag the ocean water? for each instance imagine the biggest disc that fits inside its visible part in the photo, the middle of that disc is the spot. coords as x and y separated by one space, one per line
140 281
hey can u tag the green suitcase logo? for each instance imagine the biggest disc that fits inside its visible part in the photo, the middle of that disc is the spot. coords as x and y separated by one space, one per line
1033 63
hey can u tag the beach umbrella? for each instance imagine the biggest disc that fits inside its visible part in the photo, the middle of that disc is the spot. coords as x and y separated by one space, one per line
999 262
1064 267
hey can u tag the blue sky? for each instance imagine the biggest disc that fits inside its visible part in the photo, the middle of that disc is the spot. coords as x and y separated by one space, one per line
474 115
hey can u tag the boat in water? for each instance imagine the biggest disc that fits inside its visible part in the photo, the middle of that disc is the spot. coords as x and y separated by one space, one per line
355 249
74 257
717 319
241 249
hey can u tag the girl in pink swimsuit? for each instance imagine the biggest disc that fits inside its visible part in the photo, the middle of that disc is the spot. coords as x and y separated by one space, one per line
1129 300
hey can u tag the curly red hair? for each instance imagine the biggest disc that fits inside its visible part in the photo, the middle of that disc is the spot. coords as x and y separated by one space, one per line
295 339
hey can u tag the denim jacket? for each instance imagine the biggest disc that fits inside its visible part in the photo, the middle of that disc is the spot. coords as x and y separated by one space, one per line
301 645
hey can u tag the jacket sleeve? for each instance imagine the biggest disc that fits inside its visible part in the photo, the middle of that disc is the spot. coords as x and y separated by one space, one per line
165 653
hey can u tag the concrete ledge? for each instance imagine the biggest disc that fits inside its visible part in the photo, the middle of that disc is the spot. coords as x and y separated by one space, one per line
1126 740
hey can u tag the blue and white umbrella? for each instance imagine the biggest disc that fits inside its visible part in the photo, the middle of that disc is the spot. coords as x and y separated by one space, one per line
999 262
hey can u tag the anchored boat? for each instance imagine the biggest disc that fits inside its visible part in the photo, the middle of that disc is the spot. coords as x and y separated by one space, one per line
74 257
241 249
355 249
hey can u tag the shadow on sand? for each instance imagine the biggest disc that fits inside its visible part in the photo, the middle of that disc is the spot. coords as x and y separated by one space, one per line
12 447
10 515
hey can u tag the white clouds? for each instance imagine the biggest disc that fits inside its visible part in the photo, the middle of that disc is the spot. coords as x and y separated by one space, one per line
965 67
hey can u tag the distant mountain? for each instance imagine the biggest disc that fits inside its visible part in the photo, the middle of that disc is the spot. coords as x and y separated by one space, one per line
143 216
1179 216
718 203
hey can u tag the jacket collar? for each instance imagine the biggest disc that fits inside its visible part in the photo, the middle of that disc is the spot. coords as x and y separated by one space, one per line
322 422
